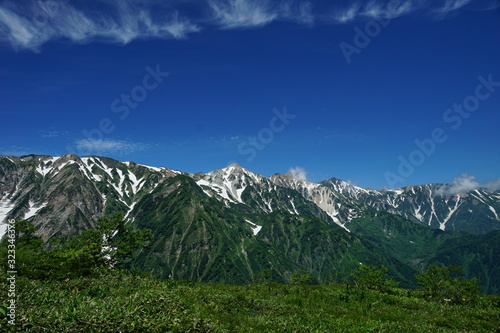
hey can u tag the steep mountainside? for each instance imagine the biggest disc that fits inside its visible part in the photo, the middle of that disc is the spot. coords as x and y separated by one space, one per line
229 225
248 192
434 205
63 195
338 206
199 238
478 255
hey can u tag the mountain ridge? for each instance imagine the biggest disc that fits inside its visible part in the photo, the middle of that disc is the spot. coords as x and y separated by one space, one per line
240 222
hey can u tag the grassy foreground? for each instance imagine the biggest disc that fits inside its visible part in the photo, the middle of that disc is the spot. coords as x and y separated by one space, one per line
122 302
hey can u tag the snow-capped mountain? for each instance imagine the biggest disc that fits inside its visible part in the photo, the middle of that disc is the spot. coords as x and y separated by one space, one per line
77 190
65 194
252 192
431 205
227 225
229 183
338 206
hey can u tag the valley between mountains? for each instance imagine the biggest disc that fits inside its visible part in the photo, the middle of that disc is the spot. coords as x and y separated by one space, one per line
229 225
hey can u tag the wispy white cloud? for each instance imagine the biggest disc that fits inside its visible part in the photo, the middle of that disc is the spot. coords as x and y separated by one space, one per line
376 10
30 24
383 9
453 5
230 14
347 15
108 146
298 173
298 12
242 13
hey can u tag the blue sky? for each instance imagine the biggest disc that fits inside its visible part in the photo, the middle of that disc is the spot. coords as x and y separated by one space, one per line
381 93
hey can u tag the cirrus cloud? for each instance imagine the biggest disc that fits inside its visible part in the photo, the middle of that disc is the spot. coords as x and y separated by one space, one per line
30 24
109 146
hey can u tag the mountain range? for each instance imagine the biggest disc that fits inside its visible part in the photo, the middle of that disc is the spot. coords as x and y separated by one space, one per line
229 225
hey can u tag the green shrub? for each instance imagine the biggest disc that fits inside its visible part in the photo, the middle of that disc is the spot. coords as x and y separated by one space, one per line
445 284
301 277
371 277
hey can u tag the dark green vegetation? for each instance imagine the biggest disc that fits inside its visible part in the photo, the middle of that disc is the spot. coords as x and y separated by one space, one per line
446 284
419 247
86 291
111 244
123 302
199 238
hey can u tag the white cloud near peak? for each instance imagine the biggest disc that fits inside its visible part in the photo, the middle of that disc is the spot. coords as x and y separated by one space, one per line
465 184
462 184
298 173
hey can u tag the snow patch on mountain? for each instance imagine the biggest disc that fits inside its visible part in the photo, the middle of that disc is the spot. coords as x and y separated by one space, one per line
107 169
256 228
494 212
130 210
294 209
433 209
5 208
442 225
229 182
136 184
47 166
87 169
122 179
397 191
221 191
157 169
340 208
268 203
33 209
417 214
